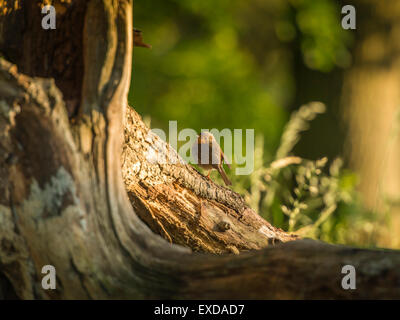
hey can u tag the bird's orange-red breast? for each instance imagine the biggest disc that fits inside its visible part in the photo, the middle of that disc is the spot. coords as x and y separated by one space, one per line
208 154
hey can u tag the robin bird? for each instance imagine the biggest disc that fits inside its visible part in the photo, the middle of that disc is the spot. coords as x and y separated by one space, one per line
138 39
209 155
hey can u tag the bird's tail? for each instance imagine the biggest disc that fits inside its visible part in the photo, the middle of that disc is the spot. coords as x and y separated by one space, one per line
224 176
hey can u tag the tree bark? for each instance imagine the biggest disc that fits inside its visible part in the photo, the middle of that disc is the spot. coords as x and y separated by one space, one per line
80 193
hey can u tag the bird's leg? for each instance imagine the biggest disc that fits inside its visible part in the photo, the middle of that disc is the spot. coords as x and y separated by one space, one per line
208 175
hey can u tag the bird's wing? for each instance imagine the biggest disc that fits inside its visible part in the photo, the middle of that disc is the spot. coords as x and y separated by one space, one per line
224 158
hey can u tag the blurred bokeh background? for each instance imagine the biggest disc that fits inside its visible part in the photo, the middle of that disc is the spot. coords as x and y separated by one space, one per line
253 64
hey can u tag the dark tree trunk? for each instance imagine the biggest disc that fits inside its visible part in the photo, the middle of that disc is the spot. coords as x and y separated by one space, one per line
371 108
68 200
